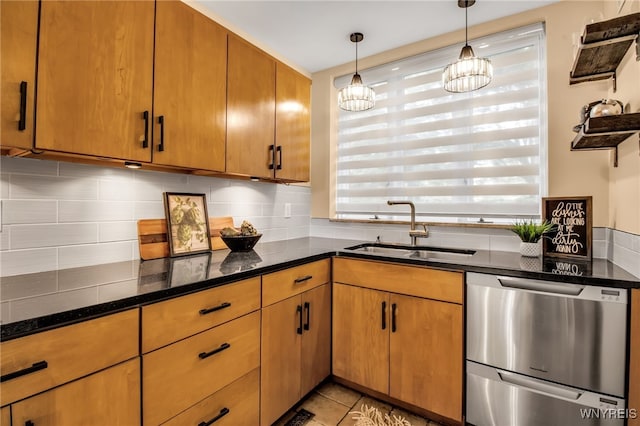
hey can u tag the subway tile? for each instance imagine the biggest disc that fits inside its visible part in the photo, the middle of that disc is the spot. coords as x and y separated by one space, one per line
115 190
148 210
86 255
599 249
599 233
103 173
5 238
29 211
117 231
42 187
94 211
626 259
147 191
37 236
28 166
4 186
504 243
18 262
161 179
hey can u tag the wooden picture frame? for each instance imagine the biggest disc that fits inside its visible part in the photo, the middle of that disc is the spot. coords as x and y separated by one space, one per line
187 223
573 219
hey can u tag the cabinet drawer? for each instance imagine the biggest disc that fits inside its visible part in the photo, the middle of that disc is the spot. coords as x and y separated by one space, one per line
410 280
283 284
63 354
235 404
175 319
179 375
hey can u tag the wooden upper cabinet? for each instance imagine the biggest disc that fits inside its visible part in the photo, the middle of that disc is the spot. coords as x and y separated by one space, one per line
250 110
95 77
293 124
190 88
18 39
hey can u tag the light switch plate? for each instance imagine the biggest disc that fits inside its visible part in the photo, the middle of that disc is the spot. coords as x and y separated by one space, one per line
287 209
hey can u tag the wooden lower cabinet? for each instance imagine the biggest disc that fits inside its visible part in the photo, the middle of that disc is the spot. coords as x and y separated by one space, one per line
180 375
5 416
405 347
109 397
296 341
234 405
361 336
425 354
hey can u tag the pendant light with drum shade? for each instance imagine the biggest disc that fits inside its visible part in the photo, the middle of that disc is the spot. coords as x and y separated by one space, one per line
469 72
356 96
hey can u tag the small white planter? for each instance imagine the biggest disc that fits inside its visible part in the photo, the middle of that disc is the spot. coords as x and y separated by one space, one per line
530 249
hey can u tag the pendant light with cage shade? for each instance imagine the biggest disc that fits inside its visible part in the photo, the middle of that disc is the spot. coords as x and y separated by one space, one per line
356 96
469 72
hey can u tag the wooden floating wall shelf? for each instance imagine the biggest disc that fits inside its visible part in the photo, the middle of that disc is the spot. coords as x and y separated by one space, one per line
606 132
602 47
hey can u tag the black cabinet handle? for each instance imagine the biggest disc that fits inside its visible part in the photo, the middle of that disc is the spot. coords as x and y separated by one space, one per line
29 423
203 355
394 308
307 307
161 122
272 157
279 150
22 122
303 279
145 117
299 312
215 308
223 413
40 365
384 315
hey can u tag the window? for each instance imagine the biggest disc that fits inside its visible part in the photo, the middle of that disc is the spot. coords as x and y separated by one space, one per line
458 157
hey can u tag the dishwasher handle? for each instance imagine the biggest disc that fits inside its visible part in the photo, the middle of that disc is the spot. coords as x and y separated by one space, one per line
542 286
538 386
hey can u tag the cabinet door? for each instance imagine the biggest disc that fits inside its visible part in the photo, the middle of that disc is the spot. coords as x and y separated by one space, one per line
111 396
316 337
426 354
280 361
293 124
250 110
361 336
95 69
5 416
634 357
18 69
190 88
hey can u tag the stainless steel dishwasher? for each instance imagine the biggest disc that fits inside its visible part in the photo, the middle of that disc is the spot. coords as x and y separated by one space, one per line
544 352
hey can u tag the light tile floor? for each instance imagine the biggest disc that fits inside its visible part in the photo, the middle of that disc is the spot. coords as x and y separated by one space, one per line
331 404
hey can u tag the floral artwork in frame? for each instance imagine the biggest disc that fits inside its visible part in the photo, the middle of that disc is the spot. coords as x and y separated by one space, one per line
187 223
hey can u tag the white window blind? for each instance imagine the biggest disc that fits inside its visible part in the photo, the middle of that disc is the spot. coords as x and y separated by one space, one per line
458 157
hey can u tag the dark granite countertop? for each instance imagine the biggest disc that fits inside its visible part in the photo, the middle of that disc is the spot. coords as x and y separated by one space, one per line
35 302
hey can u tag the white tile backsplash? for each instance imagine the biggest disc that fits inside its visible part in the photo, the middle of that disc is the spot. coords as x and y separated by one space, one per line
94 211
39 236
48 187
16 262
29 211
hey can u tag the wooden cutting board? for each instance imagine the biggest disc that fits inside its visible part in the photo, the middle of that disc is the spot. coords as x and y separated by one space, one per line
153 242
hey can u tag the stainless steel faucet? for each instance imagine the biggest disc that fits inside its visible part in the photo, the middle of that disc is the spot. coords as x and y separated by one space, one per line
413 232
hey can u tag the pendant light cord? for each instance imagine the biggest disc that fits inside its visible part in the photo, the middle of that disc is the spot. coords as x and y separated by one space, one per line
466 23
356 57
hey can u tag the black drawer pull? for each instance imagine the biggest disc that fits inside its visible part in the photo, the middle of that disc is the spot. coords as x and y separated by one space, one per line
279 150
222 347
215 308
22 122
161 122
223 413
302 279
40 365
29 423
384 315
145 117
394 308
307 307
299 312
272 157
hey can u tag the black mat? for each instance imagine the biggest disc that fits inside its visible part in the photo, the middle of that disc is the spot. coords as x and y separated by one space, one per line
301 418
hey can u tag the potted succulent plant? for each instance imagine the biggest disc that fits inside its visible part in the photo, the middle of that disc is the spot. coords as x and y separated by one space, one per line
530 234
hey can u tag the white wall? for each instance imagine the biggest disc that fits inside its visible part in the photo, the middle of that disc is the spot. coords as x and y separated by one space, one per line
58 215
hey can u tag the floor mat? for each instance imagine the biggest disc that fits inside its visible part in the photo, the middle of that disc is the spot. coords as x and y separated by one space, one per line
301 418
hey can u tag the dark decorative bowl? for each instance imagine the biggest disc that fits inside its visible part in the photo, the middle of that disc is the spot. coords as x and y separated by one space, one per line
241 242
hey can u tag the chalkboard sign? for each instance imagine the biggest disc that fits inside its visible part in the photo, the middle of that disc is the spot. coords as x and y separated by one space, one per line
572 217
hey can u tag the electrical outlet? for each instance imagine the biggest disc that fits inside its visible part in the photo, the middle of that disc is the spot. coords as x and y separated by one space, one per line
287 209
0 215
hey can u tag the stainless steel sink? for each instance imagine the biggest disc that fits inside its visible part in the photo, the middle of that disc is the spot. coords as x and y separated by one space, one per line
415 252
